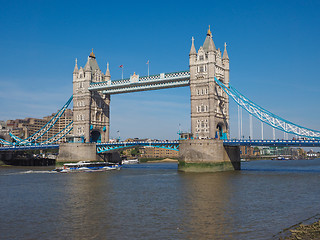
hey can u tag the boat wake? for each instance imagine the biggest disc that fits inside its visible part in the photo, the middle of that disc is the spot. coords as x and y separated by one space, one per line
30 172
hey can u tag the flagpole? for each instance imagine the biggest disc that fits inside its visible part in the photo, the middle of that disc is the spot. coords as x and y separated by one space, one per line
122 73
148 67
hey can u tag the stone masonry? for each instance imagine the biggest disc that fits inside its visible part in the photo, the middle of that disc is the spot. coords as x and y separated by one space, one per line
91 110
209 103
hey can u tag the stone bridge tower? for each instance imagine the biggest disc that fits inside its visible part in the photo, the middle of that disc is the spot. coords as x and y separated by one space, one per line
90 109
209 103
209 113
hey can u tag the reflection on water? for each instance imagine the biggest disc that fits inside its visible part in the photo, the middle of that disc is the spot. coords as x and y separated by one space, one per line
207 205
86 206
155 201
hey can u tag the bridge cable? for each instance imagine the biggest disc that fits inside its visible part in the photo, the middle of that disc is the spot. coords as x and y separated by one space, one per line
265 115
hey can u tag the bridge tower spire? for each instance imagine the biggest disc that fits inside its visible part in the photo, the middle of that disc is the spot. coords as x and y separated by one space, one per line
209 104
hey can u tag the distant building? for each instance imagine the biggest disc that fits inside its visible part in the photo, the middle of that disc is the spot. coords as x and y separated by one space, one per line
312 154
248 151
24 128
3 125
149 152
152 152
4 132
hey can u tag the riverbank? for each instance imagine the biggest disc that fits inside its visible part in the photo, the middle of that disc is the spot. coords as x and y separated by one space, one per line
308 230
157 160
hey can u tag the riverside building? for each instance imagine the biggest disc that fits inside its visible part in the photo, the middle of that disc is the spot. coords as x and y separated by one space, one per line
24 128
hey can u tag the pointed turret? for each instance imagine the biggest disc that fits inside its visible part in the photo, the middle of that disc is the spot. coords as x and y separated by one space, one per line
225 53
76 67
92 54
87 67
193 49
208 44
75 71
91 63
107 76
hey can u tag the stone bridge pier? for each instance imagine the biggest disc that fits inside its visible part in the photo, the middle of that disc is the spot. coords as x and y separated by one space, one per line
207 155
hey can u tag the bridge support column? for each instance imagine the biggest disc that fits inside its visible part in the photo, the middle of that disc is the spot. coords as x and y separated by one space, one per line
207 155
113 157
75 152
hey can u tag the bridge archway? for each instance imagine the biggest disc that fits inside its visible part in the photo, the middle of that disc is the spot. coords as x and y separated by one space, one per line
221 131
95 136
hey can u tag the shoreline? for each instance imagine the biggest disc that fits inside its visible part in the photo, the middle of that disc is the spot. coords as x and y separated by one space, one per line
166 160
307 229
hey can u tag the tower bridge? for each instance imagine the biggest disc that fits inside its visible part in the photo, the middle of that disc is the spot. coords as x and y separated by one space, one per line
210 147
209 103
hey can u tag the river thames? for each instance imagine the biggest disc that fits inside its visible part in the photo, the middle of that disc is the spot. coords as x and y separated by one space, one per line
155 201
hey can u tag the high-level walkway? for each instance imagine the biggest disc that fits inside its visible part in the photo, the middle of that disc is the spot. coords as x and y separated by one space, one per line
145 83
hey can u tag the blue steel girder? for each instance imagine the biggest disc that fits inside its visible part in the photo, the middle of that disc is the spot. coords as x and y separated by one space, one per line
112 147
266 116
276 143
45 128
153 82
59 135
5 142
29 147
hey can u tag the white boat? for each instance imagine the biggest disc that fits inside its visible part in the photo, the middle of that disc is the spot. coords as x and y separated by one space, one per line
86 166
130 161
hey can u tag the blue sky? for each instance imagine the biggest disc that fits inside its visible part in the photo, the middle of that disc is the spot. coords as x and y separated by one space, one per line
273 48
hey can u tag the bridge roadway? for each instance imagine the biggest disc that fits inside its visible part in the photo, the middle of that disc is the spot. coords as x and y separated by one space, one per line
29 147
172 145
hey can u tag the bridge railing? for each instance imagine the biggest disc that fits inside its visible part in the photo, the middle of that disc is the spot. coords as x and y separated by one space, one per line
108 147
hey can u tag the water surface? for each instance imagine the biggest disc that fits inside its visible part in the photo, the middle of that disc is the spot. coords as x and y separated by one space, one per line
155 201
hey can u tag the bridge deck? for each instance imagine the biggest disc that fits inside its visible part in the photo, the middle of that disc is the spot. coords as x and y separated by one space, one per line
174 145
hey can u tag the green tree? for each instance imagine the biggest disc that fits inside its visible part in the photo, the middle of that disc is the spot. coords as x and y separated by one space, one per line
135 151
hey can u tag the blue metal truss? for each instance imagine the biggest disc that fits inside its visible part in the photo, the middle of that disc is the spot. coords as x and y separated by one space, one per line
32 139
4 142
31 147
266 116
278 143
112 147
59 135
